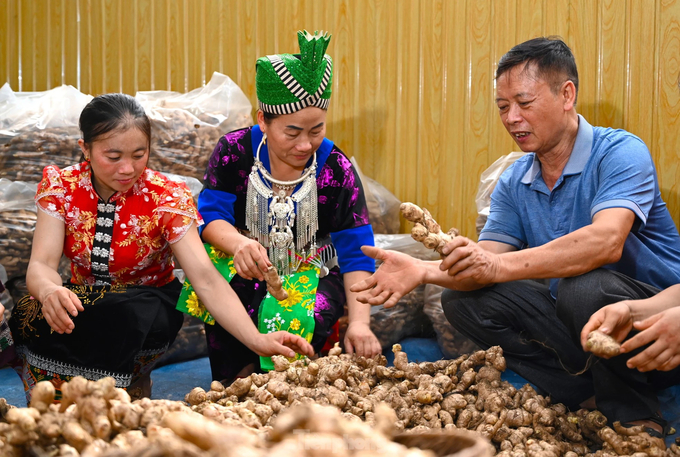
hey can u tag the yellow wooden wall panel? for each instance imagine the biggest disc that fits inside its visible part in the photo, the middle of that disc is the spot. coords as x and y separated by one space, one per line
407 98
584 41
55 33
529 19
640 68
5 46
504 27
83 26
430 139
452 205
669 105
413 82
481 110
143 33
69 57
556 18
28 40
612 72
383 148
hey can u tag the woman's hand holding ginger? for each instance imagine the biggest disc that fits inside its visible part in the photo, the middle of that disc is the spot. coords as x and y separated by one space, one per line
57 305
250 260
283 343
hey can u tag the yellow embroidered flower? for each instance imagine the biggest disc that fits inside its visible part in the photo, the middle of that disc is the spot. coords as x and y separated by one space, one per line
217 254
232 270
194 305
294 296
304 279
295 324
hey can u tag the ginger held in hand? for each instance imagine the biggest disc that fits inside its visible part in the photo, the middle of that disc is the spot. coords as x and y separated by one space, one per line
426 229
602 345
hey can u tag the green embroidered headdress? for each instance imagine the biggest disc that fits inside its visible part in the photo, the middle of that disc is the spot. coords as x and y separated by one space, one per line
287 83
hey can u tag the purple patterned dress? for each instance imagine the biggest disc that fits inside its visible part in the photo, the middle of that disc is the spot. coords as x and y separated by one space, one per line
343 220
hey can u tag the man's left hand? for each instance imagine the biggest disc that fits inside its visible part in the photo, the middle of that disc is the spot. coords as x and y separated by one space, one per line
466 261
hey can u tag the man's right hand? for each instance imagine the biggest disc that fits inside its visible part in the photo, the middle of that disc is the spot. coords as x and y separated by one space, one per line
57 305
250 260
398 275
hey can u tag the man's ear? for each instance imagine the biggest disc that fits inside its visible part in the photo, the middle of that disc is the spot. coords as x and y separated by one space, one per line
568 93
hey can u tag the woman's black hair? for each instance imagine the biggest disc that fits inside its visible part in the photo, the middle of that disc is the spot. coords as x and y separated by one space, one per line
268 117
109 112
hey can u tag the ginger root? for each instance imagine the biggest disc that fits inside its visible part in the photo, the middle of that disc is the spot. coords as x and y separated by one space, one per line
602 345
426 229
275 284
42 396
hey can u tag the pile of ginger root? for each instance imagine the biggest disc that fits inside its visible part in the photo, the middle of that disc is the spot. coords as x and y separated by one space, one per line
306 406
465 393
97 419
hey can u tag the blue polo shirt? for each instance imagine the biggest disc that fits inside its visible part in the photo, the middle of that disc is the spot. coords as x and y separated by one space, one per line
607 168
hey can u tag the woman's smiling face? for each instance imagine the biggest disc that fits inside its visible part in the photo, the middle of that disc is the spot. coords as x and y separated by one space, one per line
117 159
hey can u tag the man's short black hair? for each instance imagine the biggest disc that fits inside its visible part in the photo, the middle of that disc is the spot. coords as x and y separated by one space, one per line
550 57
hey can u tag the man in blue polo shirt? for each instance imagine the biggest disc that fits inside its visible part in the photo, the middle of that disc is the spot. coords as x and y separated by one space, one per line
582 209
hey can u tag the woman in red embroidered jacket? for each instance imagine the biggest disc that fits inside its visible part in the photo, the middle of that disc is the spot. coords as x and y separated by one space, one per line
120 224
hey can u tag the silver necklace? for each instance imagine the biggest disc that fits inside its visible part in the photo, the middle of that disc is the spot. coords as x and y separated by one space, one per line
271 223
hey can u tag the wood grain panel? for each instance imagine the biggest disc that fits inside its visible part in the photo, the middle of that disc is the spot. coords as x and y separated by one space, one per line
366 80
456 55
584 41
504 26
407 98
384 146
54 28
9 18
480 109
27 39
556 18
431 104
640 69
70 43
612 72
112 80
669 105
529 20
143 33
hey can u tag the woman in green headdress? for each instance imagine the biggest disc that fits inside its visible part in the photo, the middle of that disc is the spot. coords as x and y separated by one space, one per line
280 193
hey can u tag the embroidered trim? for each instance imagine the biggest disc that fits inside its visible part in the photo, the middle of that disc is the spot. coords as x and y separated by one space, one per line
189 214
56 214
54 367
5 336
182 231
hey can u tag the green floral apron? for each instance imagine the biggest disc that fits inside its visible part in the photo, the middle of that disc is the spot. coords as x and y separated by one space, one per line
294 314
